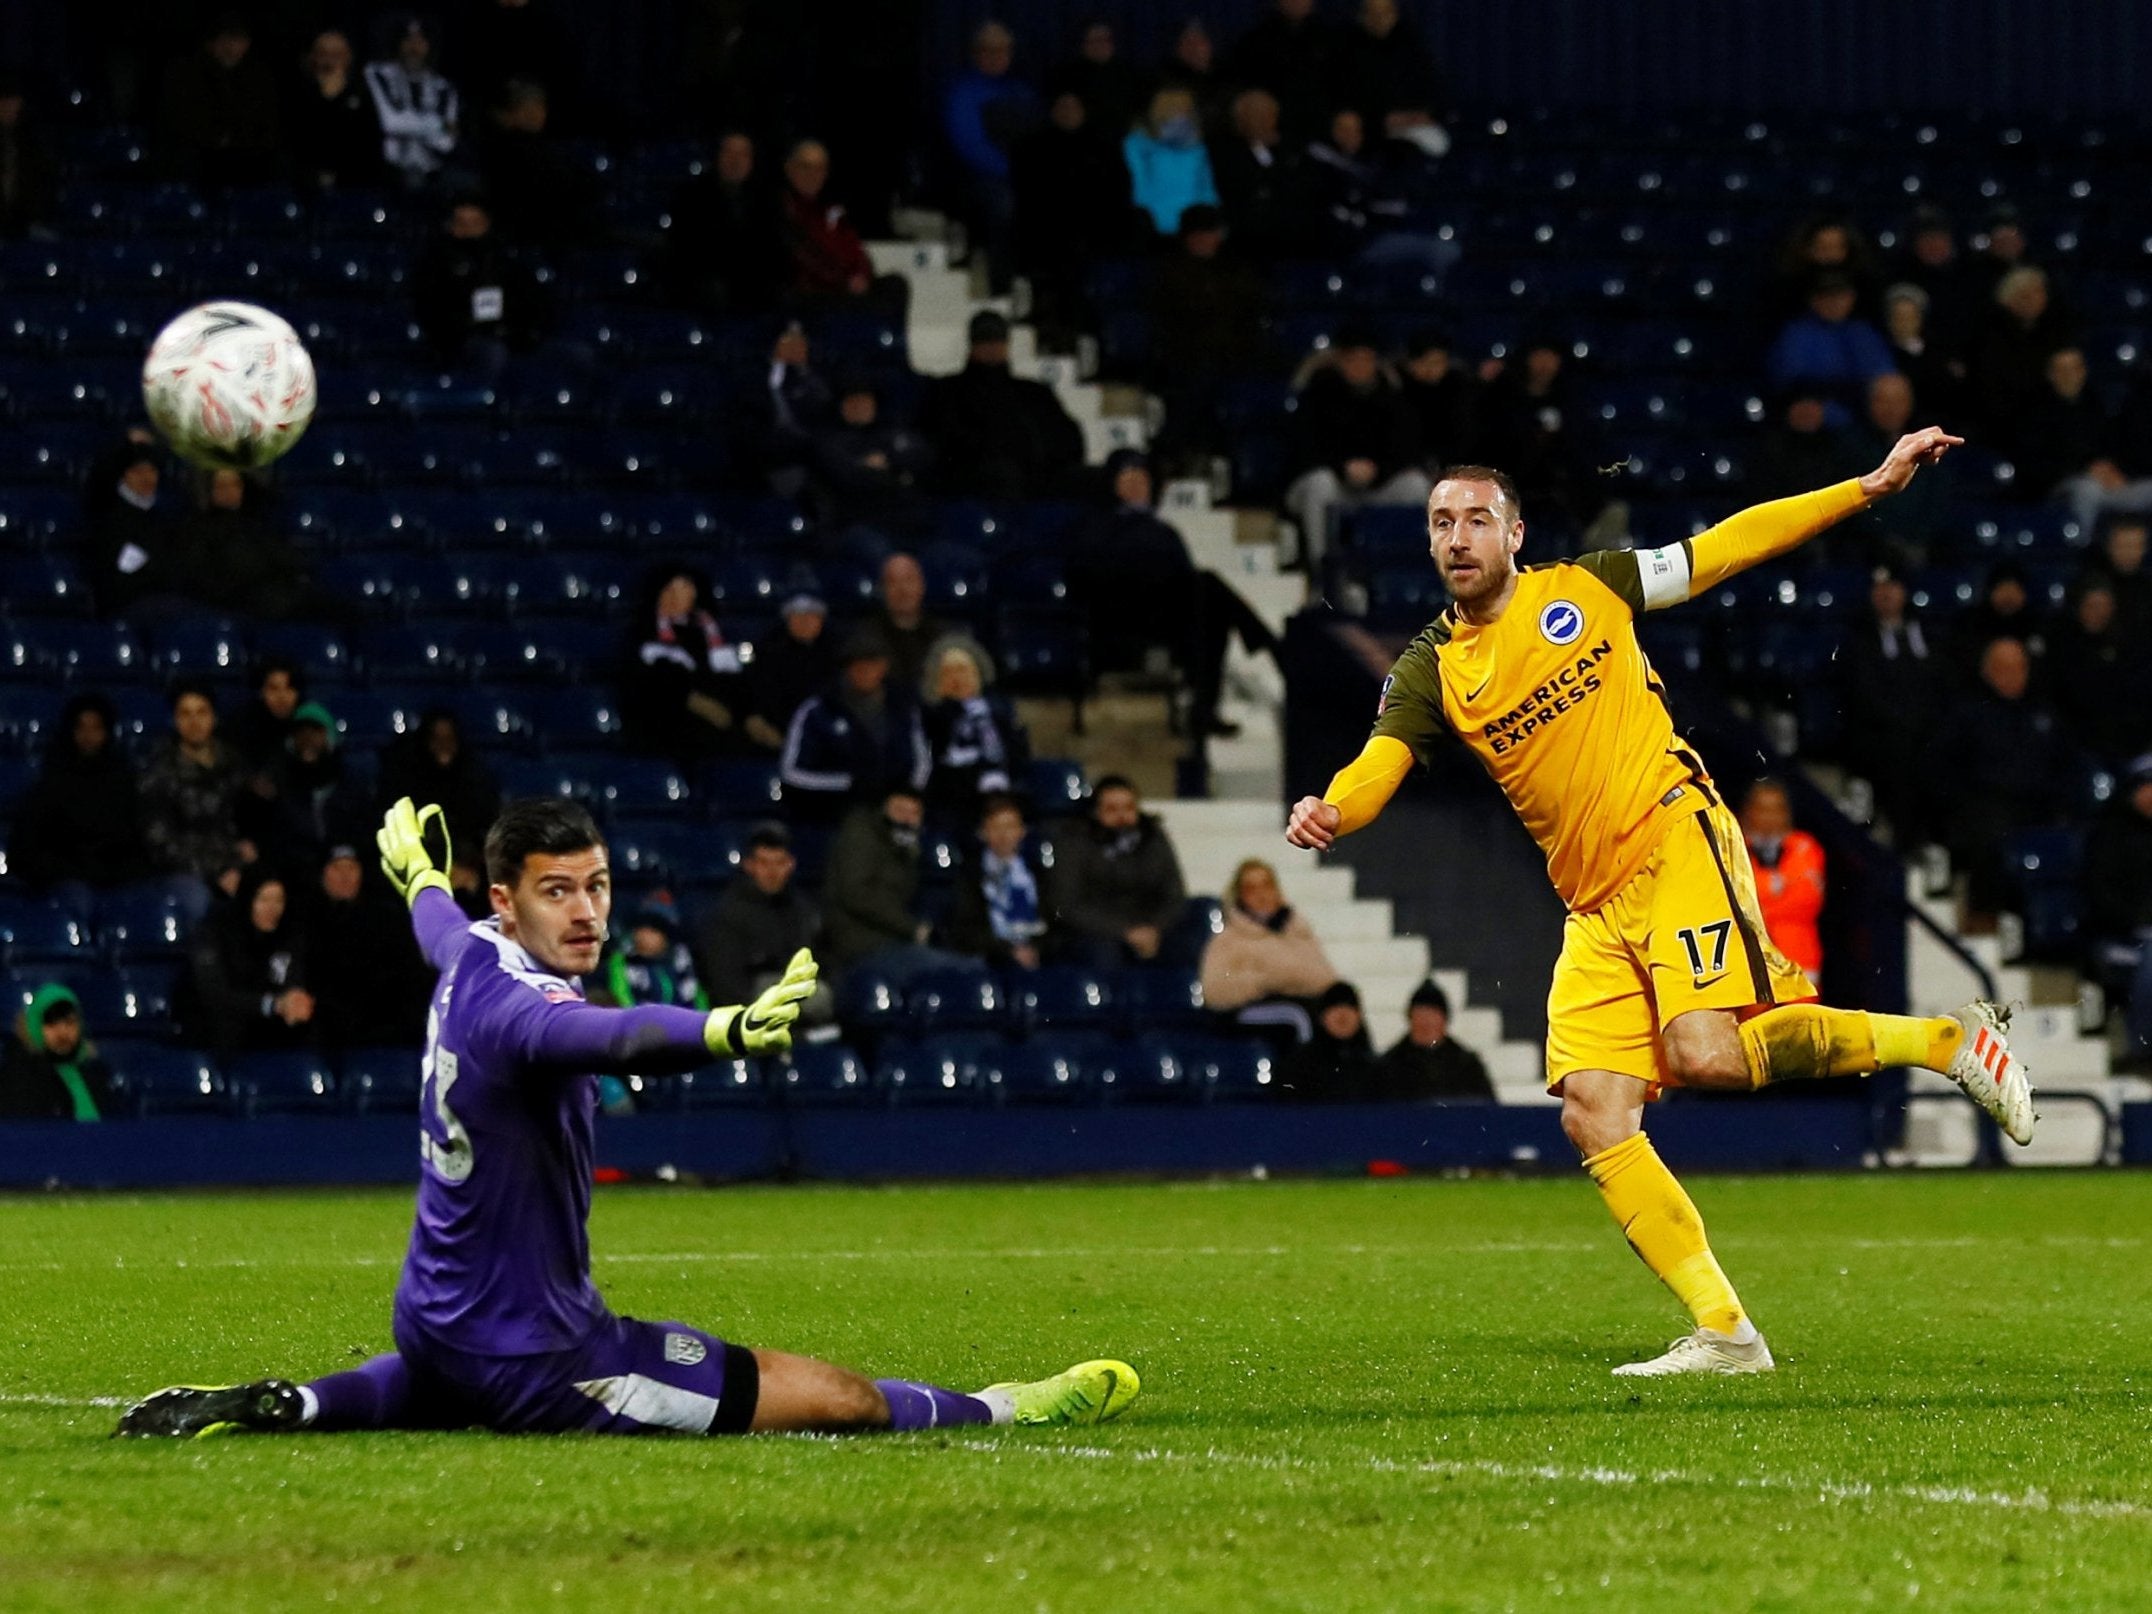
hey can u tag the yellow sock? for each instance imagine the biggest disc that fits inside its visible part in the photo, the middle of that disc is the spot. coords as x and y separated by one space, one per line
1660 1223
1809 1040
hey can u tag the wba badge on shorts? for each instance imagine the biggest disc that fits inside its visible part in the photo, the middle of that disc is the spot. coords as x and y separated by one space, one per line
684 1350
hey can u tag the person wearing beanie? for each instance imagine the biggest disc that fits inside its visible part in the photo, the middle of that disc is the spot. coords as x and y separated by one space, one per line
1336 1065
52 1071
1427 1065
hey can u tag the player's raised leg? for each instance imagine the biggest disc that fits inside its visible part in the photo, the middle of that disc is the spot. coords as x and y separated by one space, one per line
1603 1114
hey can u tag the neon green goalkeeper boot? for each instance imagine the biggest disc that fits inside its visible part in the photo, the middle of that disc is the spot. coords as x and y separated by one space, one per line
1089 1392
196 1411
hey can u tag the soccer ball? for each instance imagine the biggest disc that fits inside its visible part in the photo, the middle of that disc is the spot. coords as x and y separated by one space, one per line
229 385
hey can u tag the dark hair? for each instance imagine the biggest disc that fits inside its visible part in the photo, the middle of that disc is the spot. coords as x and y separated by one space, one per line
999 801
1485 473
1111 781
181 688
266 665
769 836
548 825
1763 782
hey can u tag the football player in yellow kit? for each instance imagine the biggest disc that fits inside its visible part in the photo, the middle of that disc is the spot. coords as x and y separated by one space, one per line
1666 977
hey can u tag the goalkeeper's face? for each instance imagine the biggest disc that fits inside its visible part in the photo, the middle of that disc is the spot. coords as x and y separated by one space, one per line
558 907
1474 536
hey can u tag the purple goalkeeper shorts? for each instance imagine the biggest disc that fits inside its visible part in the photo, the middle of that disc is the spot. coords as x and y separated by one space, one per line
628 1378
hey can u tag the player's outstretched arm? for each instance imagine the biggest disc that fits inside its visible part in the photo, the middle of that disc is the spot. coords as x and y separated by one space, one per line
657 1039
410 866
1362 788
1765 531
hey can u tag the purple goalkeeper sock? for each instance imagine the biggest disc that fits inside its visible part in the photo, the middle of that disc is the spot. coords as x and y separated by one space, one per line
929 1406
371 1396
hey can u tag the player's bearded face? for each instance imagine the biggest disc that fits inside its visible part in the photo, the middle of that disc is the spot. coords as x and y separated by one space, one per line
557 910
1473 539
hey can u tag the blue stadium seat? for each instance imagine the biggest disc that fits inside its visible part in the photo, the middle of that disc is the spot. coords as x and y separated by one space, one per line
154 1080
42 585
949 1069
724 1084
640 787
1146 1071
318 649
665 848
869 1000
17 775
197 645
28 716
381 1080
34 933
1220 1069
282 1083
1056 785
1199 922
141 923
31 518
1049 1069
94 653
1160 998
575 716
956 578
954 999
423 651
740 787
580 583
538 776
1043 651
2047 867
817 1073
1062 997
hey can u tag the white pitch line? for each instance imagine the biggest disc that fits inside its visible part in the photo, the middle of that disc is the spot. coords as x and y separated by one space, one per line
2030 1501
8 1400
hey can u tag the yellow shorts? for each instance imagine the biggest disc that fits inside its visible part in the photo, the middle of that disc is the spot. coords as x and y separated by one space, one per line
1683 934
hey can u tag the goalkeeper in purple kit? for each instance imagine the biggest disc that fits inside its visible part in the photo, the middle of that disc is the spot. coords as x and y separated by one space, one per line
497 1322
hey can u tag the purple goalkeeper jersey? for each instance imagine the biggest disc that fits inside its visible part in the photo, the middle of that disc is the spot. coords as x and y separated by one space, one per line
499 1263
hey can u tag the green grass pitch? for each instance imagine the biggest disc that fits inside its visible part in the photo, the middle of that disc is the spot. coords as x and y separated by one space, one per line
1369 1395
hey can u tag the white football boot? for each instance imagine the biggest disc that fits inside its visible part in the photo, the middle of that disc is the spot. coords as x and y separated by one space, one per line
1989 1072
1705 1351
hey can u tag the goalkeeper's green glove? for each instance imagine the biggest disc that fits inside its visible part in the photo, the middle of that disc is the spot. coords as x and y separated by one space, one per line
404 858
765 1025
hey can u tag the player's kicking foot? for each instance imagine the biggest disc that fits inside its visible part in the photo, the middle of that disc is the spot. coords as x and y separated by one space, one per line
195 1411
1089 1392
1705 1351
1989 1072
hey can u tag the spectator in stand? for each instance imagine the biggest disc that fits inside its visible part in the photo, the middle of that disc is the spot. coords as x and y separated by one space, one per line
1892 675
248 567
335 130
1207 323
79 829
1168 169
999 914
1336 1065
995 436
476 304
29 176
985 112
1824 244
857 740
794 403
1529 429
259 729
1266 965
2009 370
433 767
1361 211
2074 452
2118 902
2003 251
2096 669
1828 349
1263 184
1788 866
1427 1065
1929 263
191 789
978 743
498 42
371 986
900 620
868 468
1130 574
52 1071
248 978
787 672
1104 82
750 934
1388 76
686 687
420 113
1292 53
726 247
1916 517
317 803
1997 762
2122 561
218 120
1072 208
652 966
2005 610
1935 373
1803 450
1116 887
1358 444
139 567
1443 398
538 193
1191 66
828 260
872 890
